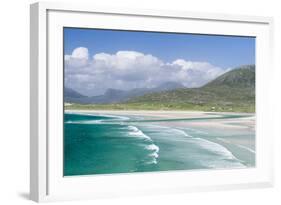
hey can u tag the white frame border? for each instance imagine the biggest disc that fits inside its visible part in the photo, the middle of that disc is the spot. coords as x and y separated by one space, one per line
39 75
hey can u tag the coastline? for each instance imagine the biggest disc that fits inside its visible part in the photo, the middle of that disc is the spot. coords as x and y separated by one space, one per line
248 121
235 134
160 113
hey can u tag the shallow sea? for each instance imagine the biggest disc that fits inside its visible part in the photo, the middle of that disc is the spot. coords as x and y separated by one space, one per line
106 144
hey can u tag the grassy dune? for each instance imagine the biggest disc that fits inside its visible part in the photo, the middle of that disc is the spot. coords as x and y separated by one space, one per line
162 106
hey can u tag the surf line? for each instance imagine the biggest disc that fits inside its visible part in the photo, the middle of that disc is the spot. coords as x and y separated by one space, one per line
241 146
152 148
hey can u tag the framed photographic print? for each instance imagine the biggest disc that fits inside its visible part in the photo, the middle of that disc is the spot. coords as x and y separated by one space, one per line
127 102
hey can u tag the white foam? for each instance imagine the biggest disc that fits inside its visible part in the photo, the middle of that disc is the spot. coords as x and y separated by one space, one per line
69 122
114 116
133 128
247 148
181 132
85 122
241 146
153 161
221 152
223 157
154 155
152 147
216 148
134 131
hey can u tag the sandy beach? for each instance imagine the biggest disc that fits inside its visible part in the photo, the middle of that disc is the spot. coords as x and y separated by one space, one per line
233 123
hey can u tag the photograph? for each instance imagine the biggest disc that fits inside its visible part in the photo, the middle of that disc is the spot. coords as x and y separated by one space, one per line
148 101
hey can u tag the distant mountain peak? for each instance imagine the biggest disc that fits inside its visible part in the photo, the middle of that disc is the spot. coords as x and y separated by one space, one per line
71 93
112 91
250 67
113 95
170 85
243 76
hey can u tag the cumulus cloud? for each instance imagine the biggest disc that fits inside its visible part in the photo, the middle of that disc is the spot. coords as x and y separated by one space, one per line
126 70
79 58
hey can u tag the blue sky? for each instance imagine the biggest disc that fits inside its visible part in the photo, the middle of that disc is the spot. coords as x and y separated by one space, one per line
222 51
96 60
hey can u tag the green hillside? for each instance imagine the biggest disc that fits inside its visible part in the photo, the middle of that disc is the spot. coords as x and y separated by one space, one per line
233 91
242 77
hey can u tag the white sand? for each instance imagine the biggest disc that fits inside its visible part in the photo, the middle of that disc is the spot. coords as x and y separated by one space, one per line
247 122
148 113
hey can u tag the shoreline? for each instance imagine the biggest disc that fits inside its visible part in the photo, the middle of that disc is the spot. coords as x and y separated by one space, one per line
157 112
248 120
235 134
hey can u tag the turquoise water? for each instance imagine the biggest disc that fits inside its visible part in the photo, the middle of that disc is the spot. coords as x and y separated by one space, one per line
105 144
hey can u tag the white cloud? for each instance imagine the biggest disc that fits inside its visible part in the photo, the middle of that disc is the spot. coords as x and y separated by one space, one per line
80 53
131 69
197 73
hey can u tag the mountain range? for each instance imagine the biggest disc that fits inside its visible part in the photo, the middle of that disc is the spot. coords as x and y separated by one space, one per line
116 96
232 91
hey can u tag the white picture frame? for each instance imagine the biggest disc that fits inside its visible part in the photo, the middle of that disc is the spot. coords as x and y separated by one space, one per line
46 179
